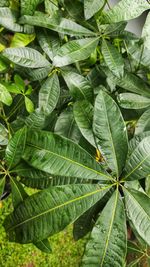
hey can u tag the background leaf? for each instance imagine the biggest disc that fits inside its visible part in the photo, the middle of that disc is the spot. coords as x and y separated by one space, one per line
15 147
26 57
91 7
5 96
74 51
133 101
79 86
58 24
83 114
67 127
49 94
143 123
126 10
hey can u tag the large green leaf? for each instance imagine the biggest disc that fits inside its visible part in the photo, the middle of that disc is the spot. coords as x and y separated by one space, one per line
8 20
60 156
3 135
28 6
137 205
74 51
50 211
18 196
146 32
80 88
26 57
49 94
107 242
35 178
143 123
110 129
126 10
113 58
134 142
67 127
83 114
15 147
133 101
91 7
5 96
138 164
58 24
129 82
49 42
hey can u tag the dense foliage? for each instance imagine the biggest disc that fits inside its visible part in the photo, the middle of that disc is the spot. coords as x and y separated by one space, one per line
75 124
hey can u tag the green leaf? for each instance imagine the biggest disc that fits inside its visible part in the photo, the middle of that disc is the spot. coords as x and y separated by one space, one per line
8 20
21 40
146 32
44 246
130 82
126 10
133 101
138 212
28 6
18 192
91 7
107 242
36 120
5 96
36 74
4 3
111 133
138 164
26 57
113 58
2 184
86 221
67 127
15 147
3 66
50 211
49 94
49 42
134 142
3 135
58 24
32 177
19 83
80 88
18 196
83 114
143 123
29 104
60 156
75 51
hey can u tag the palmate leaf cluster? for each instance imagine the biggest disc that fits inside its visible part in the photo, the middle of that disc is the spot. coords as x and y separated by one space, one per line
75 124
